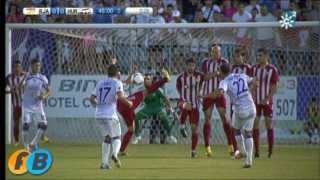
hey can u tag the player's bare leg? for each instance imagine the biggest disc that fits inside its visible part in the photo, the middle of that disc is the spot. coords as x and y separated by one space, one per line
249 147
227 129
270 135
194 140
207 130
256 136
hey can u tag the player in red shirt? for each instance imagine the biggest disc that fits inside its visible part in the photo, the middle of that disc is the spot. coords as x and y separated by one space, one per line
210 68
268 77
128 113
188 86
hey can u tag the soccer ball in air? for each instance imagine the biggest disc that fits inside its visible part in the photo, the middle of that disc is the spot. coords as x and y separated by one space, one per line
138 78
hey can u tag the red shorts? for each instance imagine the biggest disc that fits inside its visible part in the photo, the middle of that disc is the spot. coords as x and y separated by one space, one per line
193 116
127 112
266 110
136 98
220 102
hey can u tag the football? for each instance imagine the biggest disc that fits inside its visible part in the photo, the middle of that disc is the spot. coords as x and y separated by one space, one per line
138 78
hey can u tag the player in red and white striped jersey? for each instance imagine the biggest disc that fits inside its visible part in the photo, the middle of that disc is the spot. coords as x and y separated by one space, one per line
188 86
13 83
210 69
240 66
268 77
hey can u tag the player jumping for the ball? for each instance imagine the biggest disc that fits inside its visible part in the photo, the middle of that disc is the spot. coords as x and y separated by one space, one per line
128 113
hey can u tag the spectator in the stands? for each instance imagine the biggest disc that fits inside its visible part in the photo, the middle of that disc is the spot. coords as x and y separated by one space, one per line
241 16
198 16
209 9
253 4
254 13
14 14
188 9
183 36
265 36
303 31
159 5
228 10
170 10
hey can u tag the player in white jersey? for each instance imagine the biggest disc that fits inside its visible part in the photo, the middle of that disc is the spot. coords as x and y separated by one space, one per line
237 87
35 90
105 97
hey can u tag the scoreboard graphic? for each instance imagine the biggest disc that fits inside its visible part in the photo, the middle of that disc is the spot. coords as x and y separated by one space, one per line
62 11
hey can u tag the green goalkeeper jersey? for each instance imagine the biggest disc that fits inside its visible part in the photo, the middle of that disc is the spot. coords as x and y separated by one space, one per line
155 102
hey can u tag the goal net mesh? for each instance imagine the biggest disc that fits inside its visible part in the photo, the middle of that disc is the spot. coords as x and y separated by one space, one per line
75 59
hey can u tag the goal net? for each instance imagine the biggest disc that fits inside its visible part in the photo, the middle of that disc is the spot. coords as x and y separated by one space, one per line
75 57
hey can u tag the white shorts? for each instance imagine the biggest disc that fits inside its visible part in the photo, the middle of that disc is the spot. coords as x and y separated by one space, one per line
29 117
109 126
244 119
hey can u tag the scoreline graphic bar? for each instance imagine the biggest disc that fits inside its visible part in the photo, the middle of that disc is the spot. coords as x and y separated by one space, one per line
61 11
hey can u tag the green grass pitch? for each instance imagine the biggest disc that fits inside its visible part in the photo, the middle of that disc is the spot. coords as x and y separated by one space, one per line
72 161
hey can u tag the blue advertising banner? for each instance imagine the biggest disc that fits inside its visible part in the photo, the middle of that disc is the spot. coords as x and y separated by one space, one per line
308 87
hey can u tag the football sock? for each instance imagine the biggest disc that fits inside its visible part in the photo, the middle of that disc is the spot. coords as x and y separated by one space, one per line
125 141
105 153
270 140
256 139
226 128
206 133
194 141
37 137
233 138
249 147
25 139
240 141
116 143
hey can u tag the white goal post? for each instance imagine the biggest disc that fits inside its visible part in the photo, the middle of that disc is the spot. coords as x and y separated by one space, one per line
10 27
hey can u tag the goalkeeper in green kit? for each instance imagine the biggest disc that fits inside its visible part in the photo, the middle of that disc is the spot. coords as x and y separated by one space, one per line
155 104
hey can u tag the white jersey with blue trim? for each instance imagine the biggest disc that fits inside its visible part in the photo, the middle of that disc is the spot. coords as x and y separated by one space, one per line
106 94
236 86
34 86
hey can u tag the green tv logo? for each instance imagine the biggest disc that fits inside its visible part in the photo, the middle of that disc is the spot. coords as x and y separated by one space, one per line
36 163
